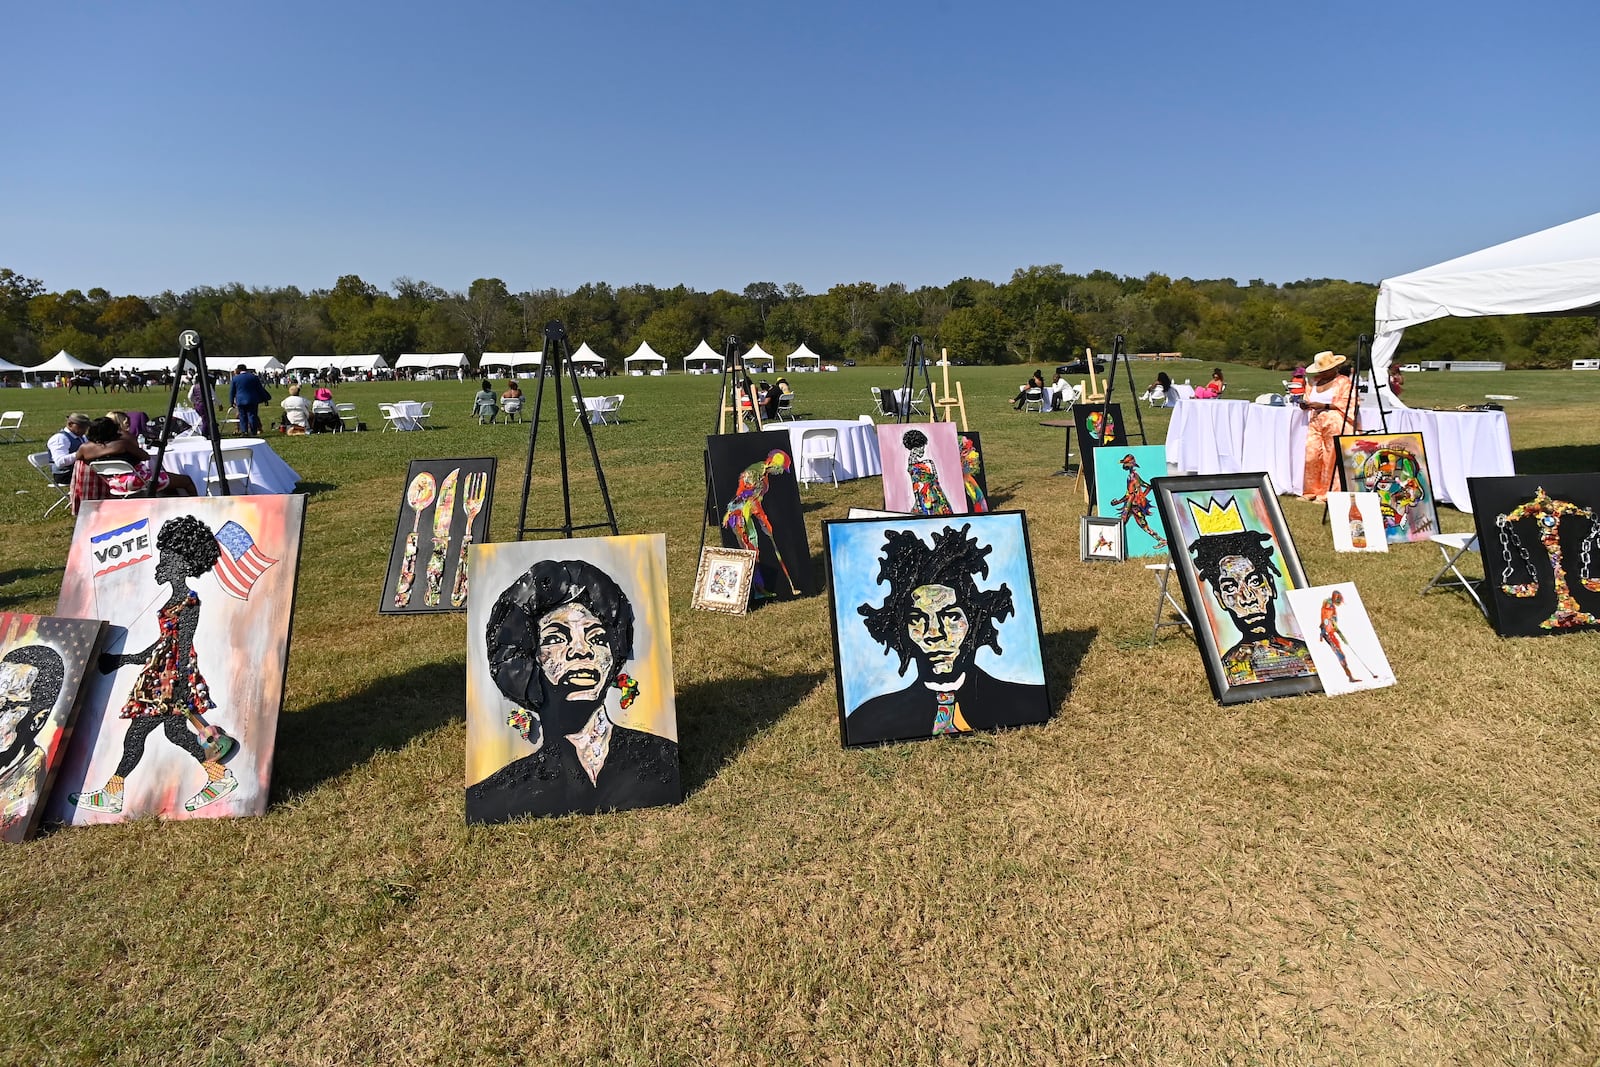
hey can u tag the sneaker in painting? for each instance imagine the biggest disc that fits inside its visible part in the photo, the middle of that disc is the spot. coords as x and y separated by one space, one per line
212 791
106 800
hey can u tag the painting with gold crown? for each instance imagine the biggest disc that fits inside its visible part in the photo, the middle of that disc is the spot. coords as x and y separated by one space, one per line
1236 562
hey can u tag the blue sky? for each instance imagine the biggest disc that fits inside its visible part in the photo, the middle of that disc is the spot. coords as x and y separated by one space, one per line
165 145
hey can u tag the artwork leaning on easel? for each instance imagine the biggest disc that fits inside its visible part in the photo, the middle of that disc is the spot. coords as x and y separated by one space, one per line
1539 536
1122 492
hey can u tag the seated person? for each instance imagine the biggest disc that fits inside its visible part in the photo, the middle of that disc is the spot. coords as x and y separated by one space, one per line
511 399
1063 390
1218 386
296 411
1159 389
133 423
485 405
769 400
1035 381
324 416
1297 386
63 446
105 440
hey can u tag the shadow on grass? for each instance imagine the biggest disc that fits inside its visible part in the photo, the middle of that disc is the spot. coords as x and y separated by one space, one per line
1557 459
1063 653
998 498
313 488
10 579
717 719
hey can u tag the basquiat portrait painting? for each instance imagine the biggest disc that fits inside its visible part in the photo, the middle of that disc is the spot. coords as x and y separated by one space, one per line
1539 537
1395 466
922 469
935 626
180 710
756 501
1122 476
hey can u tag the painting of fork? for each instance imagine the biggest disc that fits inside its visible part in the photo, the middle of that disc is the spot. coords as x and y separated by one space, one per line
451 499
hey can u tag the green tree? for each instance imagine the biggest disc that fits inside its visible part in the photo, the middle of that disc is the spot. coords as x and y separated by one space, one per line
977 334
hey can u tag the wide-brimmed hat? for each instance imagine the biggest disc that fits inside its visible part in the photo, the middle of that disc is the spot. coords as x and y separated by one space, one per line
1324 361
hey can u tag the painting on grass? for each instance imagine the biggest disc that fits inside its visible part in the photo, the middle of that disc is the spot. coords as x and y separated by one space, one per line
1394 466
1097 425
1343 644
935 626
922 472
1122 492
570 700
1356 520
1100 540
1539 538
180 710
444 509
722 581
757 503
42 664
970 445
1235 559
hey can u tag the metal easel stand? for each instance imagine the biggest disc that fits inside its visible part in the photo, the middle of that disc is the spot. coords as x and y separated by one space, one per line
733 363
1163 600
915 358
555 348
1363 357
1120 355
191 350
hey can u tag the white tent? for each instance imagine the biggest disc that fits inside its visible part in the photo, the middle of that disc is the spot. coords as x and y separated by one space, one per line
803 359
435 361
703 360
371 361
63 362
1551 271
645 359
259 364
759 360
138 364
585 354
6 365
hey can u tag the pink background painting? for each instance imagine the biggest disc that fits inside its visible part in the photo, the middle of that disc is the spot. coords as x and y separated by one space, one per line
942 450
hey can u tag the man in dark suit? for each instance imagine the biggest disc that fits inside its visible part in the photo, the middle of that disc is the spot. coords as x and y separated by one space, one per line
247 394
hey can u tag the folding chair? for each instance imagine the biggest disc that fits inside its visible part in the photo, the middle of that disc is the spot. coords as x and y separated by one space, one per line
1033 400
391 418
919 402
512 407
110 468
238 464
421 418
785 403
347 415
1164 600
10 423
815 446
40 462
1452 546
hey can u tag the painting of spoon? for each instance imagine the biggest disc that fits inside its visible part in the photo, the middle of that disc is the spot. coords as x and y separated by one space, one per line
419 494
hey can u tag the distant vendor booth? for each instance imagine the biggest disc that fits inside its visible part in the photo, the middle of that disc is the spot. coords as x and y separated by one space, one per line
645 360
448 365
802 360
703 360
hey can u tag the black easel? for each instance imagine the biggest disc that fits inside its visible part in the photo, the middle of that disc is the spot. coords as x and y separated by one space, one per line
915 357
733 364
191 350
1119 355
555 348
1353 401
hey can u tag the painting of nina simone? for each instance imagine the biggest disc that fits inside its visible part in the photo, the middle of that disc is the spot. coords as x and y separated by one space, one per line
952 607
923 472
570 704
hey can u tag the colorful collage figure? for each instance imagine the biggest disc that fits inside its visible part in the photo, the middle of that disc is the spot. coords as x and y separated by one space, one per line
1394 466
451 500
1356 519
973 475
922 471
1097 424
757 504
42 664
570 700
1343 644
1122 491
935 626
1234 557
180 712
1539 538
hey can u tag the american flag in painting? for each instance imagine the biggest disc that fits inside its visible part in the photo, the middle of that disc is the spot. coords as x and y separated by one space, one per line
241 562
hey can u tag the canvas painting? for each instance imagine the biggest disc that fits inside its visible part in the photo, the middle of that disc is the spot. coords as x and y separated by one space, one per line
722 582
758 508
970 445
873 513
570 700
180 710
444 509
1097 424
1539 536
935 626
1356 520
42 664
1100 540
1395 466
1235 560
1343 644
1122 492
922 472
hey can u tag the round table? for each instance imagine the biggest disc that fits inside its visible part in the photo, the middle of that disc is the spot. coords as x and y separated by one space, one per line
858 445
269 474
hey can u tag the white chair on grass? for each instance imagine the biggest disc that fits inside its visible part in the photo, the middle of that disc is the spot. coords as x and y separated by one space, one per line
347 415
110 468
817 446
421 418
877 400
391 418
40 461
785 407
919 402
511 406
238 465
10 423
614 406
1452 546
1033 399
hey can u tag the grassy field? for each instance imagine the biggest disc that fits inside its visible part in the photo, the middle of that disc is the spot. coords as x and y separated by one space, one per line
1407 876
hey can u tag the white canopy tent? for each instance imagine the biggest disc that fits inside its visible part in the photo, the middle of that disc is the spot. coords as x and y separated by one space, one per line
759 360
803 359
138 364
703 360
1552 271
372 362
6 366
508 362
434 361
63 362
259 364
645 360
585 354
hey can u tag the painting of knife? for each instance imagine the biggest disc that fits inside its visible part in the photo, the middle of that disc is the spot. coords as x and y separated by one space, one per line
443 515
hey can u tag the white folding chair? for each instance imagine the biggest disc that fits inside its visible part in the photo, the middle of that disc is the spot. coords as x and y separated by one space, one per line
421 418
815 446
877 400
347 415
1164 600
391 418
109 468
10 423
1033 400
785 403
40 461
238 465
614 406
512 406
919 402
1452 546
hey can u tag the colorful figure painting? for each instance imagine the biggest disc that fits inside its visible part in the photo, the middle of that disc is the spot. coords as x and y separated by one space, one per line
444 509
922 470
1395 466
180 711
1539 537
1356 520
935 626
1122 491
758 508
1097 425
42 664
1235 559
1343 644
570 701
972 473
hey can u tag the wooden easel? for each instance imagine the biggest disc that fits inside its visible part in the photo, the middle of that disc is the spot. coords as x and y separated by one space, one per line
733 363
943 399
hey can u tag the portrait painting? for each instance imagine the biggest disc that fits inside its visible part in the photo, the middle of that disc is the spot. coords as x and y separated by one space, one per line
973 477
42 664
1122 476
757 504
922 473
1395 466
935 626
1100 540
180 708
1343 644
1235 560
1356 520
1539 538
722 582
570 700
444 509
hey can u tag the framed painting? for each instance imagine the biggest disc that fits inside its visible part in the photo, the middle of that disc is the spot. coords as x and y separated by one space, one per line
1122 492
1235 559
444 509
570 700
1395 466
1356 519
973 476
1345 647
935 626
43 660
757 501
922 472
1096 425
1538 535
722 582
180 711
1100 540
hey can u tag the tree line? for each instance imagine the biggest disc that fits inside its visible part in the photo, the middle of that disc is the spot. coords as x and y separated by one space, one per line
1042 314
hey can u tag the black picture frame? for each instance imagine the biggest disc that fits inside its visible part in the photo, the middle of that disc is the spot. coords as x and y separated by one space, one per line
783 564
1525 593
397 597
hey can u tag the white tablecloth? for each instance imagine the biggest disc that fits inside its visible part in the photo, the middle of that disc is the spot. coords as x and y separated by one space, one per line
268 473
1460 445
406 412
858 446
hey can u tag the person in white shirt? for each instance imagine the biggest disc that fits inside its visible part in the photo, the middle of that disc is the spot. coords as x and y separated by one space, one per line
296 409
64 445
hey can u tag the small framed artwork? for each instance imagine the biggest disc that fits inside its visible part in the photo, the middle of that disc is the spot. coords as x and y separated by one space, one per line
723 581
1100 540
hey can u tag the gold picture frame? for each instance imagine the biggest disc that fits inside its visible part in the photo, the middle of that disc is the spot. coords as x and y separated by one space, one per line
722 581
